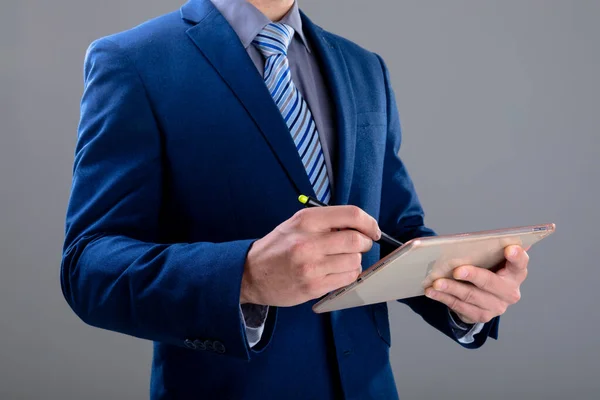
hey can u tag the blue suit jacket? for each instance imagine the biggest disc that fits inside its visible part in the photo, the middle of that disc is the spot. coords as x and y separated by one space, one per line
182 161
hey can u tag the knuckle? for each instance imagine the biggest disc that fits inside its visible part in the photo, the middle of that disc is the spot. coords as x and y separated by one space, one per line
311 288
502 309
469 295
515 296
299 250
296 250
300 218
355 212
368 245
356 259
478 316
351 277
485 281
306 269
454 304
486 317
354 240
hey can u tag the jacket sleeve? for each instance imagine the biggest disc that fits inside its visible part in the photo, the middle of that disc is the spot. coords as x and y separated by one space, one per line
402 216
115 273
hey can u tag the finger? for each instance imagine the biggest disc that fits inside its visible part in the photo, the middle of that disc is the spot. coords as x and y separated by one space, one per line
488 281
338 264
468 311
343 242
335 281
325 219
482 278
471 294
517 260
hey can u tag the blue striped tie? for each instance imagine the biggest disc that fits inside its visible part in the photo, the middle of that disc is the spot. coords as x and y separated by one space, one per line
273 42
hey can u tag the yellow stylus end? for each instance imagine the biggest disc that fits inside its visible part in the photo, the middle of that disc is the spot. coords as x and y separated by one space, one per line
303 199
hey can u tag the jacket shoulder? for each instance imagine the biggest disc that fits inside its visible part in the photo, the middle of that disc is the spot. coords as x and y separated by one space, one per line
353 51
155 34
366 71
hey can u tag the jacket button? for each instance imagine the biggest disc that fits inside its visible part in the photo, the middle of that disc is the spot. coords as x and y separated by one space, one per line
209 345
199 345
189 344
219 347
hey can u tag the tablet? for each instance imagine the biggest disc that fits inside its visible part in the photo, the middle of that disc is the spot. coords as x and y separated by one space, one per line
413 267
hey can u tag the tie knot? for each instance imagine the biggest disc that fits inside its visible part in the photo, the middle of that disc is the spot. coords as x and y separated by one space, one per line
274 39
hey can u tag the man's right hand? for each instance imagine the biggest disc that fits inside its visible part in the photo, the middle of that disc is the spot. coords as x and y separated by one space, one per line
314 252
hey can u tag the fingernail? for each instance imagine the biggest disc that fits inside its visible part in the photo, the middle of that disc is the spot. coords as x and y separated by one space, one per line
463 273
513 251
441 285
430 293
378 233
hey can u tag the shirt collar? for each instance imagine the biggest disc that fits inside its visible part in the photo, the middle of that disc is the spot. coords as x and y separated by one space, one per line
247 21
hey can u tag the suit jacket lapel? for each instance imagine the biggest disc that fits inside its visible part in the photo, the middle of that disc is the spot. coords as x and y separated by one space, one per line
219 43
337 77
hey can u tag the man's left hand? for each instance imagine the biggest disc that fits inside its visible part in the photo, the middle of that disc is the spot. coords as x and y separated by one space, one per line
479 295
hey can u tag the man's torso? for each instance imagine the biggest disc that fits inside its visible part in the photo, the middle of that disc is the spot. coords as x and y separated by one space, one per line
226 173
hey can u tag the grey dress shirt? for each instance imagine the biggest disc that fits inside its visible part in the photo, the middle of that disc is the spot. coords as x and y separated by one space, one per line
247 22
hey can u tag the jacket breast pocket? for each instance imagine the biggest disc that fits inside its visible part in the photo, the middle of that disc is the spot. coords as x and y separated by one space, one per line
371 119
382 322
371 130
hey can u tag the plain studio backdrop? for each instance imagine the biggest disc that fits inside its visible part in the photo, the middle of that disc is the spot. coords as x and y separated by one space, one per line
500 107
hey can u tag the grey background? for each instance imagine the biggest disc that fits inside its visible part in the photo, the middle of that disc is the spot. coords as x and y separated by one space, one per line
500 106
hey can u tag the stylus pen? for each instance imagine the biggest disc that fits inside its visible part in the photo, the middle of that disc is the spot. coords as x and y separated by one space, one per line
312 202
